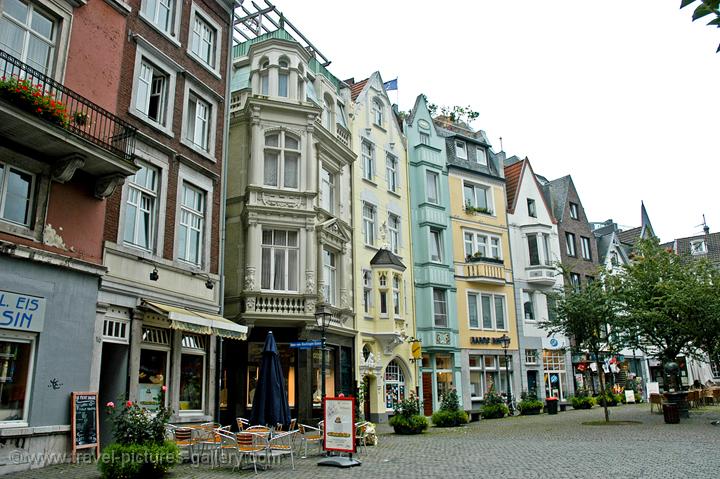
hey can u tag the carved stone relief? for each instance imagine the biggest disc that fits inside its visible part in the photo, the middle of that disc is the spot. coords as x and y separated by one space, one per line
249 278
309 282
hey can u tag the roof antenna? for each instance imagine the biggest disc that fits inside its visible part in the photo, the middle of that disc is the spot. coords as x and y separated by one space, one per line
706 228
501 145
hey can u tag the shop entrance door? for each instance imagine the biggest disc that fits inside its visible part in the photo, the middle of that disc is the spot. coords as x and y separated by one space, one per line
427 394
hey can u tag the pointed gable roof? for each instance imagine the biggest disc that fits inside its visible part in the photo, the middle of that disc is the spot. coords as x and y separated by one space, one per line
645 225
513 178
357 88
386 258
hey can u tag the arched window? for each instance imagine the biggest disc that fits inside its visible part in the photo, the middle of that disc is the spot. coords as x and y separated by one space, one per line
283 75
378 113
264 77
328 113
394 384
281 161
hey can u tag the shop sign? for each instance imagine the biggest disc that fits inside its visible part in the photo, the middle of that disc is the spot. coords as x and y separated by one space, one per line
306 344
485 340
21 312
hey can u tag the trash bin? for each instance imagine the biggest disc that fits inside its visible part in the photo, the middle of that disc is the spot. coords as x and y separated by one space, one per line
671 413
551 405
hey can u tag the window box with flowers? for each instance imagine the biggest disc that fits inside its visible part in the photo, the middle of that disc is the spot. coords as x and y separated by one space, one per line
478 256
470 209
32 98
139 449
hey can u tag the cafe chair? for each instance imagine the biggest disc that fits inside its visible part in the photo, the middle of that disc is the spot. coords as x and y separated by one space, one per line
184 440
312 435
242 423
251 446
361 434
281 445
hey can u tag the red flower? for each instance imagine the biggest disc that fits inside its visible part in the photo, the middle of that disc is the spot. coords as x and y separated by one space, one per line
129 404
39 110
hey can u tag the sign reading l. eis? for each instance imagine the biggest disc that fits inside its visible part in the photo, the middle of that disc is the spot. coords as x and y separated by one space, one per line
21 312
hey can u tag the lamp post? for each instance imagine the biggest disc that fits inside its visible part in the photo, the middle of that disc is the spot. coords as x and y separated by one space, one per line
322 319
505 342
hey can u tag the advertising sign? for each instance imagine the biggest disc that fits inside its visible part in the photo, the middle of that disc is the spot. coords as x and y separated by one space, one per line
339 430
21 312
629 396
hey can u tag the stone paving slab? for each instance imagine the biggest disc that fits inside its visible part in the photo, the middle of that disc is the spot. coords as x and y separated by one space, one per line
558 446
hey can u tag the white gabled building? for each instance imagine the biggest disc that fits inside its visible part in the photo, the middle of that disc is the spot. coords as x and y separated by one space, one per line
545 364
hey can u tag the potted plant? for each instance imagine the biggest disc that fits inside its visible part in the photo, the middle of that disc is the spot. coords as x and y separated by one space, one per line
81 118
582 400
529 404
470 209
450 414
139 449
32 98
407 418
494 406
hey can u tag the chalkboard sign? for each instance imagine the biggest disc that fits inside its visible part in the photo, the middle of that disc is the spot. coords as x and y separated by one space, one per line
85 423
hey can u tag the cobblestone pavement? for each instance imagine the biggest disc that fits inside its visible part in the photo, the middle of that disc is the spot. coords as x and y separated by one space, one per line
521 447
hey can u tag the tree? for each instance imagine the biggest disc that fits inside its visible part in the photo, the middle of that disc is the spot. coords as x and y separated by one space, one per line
585 315
456 114
705 7
669 303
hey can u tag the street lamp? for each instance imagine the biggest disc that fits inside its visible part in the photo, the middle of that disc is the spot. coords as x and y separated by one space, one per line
322 319
505 342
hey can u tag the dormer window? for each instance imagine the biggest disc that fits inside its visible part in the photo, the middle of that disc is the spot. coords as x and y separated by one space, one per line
378 114
698 247
481 156
460 150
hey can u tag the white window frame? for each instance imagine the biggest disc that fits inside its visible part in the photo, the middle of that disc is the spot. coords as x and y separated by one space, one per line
546 249
394 379
205 184
367 290
213 66
330 275
142 192
327 185
194 92
286 272
424 138
493 310
396 295
378 113
26 338
531 356
30 211
529 297
461 146
434 309
695 250
481 156
172 33
480 240
435 240
162 347
394 232
368 160
392 174
570 246
283 71
369 223
532 208
193 215
489 200
574 210
585 247
203 354
281 150
28 31
435 176
145 56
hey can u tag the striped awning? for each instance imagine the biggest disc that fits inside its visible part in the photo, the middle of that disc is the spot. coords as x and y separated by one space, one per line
198 322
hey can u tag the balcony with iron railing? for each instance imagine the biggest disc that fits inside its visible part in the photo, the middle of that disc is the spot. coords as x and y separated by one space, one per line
45 118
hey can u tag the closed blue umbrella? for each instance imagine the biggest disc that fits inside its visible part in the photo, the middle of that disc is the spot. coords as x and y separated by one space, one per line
270 404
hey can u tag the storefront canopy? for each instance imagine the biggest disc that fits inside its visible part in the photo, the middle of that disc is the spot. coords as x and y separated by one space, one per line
198 322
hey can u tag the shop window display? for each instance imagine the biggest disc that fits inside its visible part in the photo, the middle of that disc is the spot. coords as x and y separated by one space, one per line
14 365
151 377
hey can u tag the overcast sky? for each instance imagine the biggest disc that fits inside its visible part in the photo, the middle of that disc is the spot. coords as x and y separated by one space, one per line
622 94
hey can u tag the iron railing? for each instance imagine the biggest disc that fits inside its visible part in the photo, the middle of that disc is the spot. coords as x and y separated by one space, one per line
29 89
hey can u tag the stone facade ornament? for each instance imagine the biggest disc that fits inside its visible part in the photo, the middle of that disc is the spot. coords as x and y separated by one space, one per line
106 185
309 282
250 304
442 338
249 278
64 169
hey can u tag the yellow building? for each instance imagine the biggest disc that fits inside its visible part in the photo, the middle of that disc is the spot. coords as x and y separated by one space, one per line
483 268
382 254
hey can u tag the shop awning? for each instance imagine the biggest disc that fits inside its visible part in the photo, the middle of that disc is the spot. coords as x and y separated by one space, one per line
198 322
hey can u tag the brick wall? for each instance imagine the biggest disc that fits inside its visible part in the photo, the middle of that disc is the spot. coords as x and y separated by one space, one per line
580 227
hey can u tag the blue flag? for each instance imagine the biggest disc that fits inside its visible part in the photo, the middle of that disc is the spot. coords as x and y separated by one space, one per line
391 85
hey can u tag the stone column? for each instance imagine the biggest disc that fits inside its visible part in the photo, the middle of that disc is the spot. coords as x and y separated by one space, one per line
211 361
134 361
175 357
96 364
256 150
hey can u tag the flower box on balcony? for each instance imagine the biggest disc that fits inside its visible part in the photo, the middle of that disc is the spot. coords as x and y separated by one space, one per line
474 258
470 209
31 97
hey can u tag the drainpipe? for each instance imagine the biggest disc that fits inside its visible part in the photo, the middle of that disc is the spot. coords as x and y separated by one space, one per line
223 196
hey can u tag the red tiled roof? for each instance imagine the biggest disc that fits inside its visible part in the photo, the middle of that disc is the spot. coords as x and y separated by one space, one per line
356 88
512 183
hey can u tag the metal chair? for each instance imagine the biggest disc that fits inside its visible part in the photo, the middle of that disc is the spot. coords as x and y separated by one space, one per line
242 423
361 434
252 446
282 444
309 434
183 438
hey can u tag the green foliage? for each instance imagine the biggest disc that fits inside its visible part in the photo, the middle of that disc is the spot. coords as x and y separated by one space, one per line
133 424
125 461
606 398
670 303
32 98
408 424
704 8
528 406
582 402
456 114
446 418
494 411
470 209
407 418
450 401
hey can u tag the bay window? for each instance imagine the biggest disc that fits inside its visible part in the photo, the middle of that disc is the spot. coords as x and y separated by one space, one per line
281 161
431 187
533 251
482 244
279 260
330 276
440 308
327 190
436 246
